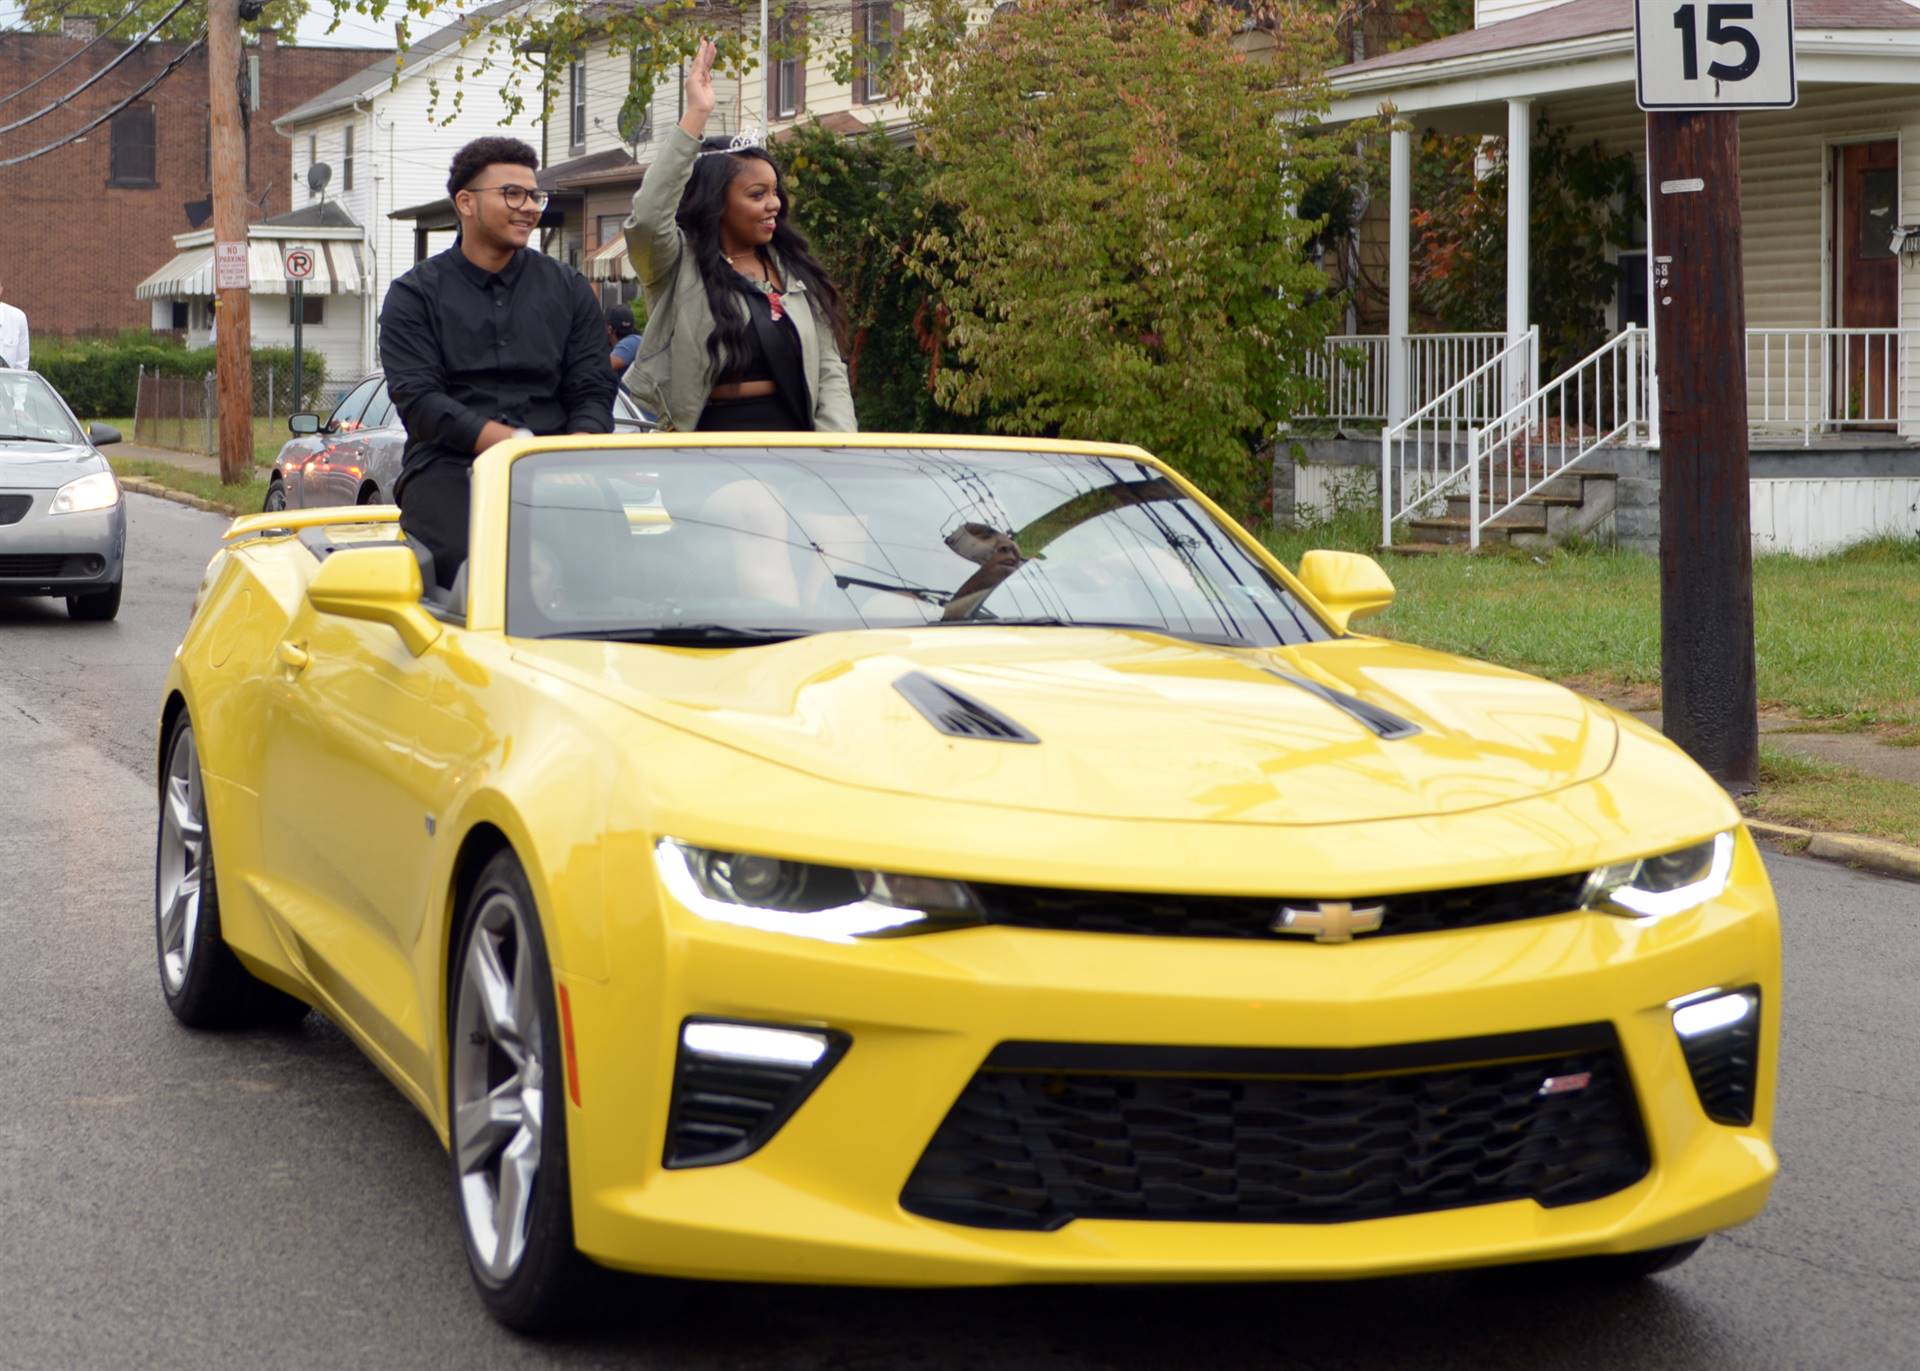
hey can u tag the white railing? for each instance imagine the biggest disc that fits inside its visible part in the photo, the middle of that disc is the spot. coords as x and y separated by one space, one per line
1352 370
1820 378
1427 452
1603 398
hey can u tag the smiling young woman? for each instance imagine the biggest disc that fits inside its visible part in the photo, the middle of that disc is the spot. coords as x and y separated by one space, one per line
744 330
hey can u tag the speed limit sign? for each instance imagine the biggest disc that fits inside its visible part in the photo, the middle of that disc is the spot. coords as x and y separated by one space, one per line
1714 54
299 263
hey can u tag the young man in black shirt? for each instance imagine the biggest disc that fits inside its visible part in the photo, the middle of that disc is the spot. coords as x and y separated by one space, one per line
486 341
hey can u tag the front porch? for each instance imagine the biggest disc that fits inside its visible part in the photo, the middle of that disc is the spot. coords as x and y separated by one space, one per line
1465 429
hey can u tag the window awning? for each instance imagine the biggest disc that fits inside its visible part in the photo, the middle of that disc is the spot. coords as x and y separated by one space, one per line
336 271
609 262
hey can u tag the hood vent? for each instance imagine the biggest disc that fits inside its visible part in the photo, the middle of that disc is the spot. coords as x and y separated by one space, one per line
959 715
1381 722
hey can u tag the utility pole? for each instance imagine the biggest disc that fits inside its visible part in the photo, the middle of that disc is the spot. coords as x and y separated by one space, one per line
1707 688
233 357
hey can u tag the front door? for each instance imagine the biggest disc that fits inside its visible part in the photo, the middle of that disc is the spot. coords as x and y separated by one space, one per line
1866 366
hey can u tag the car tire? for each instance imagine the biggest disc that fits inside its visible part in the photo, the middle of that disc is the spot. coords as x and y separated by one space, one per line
505 1070
369 494
203 982
95 607
276 497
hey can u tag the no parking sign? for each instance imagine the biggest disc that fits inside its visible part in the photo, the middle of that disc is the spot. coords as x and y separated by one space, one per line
298 263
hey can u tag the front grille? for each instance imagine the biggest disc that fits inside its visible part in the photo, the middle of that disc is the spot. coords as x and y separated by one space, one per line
1046 1133
1234 916
29 566
13 508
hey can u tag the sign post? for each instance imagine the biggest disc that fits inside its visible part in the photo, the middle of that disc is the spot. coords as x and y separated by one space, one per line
298 264
1699 62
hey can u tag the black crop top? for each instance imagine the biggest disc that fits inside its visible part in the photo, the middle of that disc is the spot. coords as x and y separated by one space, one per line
756 365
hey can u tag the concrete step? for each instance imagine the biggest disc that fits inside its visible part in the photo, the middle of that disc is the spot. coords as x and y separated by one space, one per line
1454 528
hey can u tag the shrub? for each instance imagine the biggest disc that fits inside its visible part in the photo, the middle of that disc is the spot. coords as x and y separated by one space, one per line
101 376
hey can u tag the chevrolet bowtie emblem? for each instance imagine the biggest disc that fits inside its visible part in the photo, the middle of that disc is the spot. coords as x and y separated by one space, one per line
1331 921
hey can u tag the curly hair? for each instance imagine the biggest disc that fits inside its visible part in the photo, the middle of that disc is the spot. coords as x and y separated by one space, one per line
482 153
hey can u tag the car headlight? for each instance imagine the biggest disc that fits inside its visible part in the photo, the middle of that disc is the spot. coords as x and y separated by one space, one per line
1671 883
98 491
834 903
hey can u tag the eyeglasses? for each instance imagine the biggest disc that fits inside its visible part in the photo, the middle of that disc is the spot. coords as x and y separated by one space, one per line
517 197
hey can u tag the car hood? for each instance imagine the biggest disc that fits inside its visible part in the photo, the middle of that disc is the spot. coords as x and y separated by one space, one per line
1128 725
46 466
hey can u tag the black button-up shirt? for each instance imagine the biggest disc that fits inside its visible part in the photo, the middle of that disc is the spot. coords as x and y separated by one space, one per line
526 346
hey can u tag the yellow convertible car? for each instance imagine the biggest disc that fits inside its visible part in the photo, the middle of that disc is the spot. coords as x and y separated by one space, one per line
954 861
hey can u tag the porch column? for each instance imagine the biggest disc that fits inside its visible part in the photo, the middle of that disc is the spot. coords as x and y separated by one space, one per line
1520 380
1399 276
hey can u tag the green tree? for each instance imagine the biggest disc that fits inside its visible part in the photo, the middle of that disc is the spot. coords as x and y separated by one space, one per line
1124 261
862 202
48 15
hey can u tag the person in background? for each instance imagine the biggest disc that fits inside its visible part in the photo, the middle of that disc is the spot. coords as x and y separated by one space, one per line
487 341
622 337
745 330
13 336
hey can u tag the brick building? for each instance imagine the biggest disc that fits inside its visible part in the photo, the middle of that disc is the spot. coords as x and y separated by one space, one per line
82 226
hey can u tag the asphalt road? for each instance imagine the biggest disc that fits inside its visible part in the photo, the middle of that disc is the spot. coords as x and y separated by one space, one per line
171 1199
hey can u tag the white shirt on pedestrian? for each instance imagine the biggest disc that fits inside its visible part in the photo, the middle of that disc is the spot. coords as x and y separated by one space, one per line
13 336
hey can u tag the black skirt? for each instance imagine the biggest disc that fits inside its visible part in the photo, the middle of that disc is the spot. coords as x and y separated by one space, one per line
748 414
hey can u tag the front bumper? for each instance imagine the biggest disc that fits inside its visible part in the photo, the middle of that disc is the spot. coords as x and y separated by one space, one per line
64 554
822 1199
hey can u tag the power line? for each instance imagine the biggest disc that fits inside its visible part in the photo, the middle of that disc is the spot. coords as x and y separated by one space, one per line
136 46
93 43
80 133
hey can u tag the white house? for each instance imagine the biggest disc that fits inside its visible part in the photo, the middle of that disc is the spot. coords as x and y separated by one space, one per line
385 148
334 297
1832 304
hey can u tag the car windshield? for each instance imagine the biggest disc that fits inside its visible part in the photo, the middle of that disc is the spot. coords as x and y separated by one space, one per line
31 412
718 546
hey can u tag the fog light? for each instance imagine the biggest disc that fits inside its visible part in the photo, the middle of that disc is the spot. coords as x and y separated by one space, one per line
1719 1036
736 1084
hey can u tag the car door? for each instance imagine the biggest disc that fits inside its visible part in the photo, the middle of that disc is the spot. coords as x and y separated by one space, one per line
362 733
319 486
355 466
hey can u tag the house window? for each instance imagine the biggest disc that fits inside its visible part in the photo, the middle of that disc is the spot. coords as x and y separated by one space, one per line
313 310
132 147
313 156
608 227
787 78
874 27
346 160
636 115
577 104
1630 291
180 314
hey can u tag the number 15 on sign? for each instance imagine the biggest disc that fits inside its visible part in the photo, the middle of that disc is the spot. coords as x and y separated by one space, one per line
1714 54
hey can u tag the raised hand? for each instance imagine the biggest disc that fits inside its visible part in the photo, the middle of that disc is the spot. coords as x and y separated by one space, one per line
700 97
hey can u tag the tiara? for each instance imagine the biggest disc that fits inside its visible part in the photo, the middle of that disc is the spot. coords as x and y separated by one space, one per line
747 138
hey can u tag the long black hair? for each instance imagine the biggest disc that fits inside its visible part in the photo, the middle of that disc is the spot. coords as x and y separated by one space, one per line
701 207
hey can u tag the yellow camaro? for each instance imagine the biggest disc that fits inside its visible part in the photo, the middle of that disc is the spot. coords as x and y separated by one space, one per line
950 860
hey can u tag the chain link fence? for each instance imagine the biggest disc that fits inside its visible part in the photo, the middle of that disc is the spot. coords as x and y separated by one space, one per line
183 412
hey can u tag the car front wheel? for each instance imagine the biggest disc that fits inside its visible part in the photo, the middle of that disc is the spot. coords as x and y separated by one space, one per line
276 497
97 606
204 983
508 1126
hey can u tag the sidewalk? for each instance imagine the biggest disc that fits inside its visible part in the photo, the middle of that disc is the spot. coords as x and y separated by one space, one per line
188 461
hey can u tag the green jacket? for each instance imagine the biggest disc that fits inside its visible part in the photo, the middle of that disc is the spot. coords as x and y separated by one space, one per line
672 375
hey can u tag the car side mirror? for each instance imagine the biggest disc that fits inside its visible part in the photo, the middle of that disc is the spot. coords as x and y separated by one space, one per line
1348 585
380 585
303 424
102 434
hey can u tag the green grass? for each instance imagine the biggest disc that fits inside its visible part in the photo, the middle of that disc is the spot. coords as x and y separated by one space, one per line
1818 795
1835 637
268 436
244 496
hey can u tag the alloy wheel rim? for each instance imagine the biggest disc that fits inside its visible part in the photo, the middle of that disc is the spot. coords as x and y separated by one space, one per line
498 1086
183 850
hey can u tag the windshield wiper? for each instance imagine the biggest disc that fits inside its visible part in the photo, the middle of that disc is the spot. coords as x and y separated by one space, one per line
33 438
1044 621
924 594
689 635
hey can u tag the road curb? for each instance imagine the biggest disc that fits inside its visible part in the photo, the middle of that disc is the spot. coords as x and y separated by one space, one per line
1891 859
142 485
